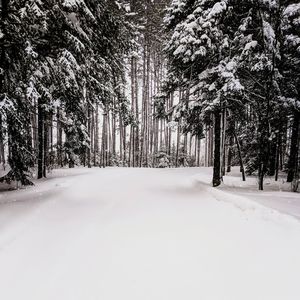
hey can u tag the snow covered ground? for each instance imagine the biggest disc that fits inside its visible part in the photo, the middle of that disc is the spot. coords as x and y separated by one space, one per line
276 195
139 234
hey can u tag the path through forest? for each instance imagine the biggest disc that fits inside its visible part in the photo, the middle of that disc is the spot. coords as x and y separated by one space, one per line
135 234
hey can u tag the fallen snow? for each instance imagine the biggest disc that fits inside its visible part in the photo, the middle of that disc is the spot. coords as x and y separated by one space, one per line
276 195
144 234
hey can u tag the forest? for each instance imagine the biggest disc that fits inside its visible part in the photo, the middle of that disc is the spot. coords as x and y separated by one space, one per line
149 149
155 84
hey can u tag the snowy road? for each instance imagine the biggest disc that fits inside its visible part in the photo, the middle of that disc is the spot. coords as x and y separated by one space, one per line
139 234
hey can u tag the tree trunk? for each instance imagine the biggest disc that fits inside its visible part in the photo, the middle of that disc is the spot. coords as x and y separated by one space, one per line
96 137
277 157
198 150
177 146
272 158
2 155
41 120
46 145
217 150
293 147
242 168
89 125
261 177
59 140
230 154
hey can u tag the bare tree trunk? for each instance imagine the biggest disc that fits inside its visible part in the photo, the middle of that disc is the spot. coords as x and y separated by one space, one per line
278 146
59 140
114 128
125 144
34 128
92 135
96 137
240 156
121 132
41 121
131 148
50 137
217 149
223 143
293 147
46 145
198 150
206 148
89 128
211 146
230 154
137 130
109 140
177 146
2 154
103 144
144 103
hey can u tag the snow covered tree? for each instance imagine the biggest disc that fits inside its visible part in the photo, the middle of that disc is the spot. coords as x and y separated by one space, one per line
198 51
227 58
15 107
231 79
59 59
291 82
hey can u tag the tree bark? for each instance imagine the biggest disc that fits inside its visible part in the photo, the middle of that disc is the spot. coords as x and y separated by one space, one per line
217 150
46 145
2 154
293 147
41 135
230 154
59 140
242 168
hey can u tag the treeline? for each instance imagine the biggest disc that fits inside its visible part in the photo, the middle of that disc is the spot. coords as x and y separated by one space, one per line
150 84
78 86
153 139
62 65
236 66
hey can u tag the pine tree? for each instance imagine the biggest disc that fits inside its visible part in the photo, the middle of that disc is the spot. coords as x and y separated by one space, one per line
291 83
56 58
229 52
198 52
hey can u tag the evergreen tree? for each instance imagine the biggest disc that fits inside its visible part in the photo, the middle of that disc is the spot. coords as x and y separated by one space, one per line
228 58
56 58
291 83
